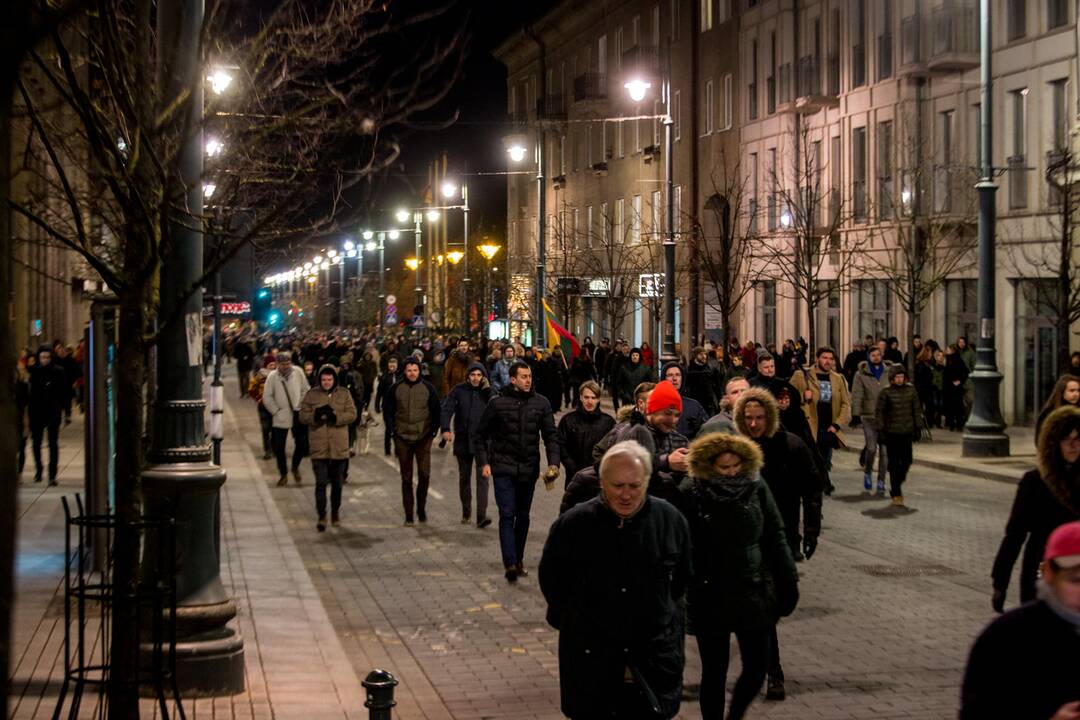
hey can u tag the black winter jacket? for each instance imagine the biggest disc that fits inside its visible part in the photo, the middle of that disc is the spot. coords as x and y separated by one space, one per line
579 431
898 410
49 391
1036 512
1023 667
386 381
508 433
700 382
466 404
794 480
613 588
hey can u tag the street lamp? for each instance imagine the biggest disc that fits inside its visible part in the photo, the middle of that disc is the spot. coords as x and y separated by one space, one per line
489 250
517 152
220 80
637 89
412 263
214 147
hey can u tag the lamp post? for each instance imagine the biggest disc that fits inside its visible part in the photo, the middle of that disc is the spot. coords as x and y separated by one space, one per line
637 89
449 191
984 432
489 250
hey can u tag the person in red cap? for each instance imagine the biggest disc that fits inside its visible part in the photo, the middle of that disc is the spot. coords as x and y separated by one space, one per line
1026 664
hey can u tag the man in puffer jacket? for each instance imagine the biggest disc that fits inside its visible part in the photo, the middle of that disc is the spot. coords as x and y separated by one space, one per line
898 417
327 410
509 452
465 404
411 411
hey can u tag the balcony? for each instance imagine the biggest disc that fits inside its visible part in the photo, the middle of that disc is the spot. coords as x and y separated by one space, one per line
956 38
590 86
641 60
599 169
554 107
558 182
808 96
912 47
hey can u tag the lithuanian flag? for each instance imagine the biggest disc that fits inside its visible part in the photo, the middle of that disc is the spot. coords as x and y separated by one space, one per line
560 337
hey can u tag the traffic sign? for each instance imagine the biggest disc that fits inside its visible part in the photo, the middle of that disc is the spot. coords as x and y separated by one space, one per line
391 299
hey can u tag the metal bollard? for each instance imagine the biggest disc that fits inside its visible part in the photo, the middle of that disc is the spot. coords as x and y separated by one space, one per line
380 694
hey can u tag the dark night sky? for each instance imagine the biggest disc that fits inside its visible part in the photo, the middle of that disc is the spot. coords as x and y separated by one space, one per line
474 142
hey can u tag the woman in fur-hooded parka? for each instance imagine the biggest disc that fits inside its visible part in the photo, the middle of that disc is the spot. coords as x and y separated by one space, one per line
1046 497
744 572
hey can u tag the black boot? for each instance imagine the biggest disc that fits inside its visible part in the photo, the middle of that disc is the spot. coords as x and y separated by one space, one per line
775 689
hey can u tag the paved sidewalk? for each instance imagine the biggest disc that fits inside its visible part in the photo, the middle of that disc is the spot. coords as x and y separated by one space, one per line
295 664
943 450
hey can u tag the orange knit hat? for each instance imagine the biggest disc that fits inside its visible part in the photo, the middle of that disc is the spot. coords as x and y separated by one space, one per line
663 396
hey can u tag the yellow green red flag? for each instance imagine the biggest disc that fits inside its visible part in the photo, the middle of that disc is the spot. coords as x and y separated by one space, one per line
560 337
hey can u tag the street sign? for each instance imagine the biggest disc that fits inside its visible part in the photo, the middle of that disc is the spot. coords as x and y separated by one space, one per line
391 299
599 287
569 286
651 285
391 314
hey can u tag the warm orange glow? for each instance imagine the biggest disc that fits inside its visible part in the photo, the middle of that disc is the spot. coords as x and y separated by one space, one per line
489 251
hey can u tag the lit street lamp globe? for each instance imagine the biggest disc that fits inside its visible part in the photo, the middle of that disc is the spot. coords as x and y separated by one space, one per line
403 215
637 89
517 153
432 215
394 235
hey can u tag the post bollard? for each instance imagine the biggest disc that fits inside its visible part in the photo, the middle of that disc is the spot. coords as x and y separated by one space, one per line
379 685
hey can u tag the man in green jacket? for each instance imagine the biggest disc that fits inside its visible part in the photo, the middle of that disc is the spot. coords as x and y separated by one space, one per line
898 420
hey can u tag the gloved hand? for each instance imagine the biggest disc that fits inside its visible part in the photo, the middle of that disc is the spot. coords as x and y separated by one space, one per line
997 600
808 547
330 417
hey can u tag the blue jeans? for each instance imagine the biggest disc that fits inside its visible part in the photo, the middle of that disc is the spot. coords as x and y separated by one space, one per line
514 498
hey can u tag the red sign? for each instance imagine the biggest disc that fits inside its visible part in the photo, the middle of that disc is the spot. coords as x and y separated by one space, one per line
235 308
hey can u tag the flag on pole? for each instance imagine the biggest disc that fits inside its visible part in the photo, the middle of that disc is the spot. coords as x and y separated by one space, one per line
560 337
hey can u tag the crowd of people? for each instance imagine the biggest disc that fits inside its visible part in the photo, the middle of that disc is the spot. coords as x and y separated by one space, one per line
48 383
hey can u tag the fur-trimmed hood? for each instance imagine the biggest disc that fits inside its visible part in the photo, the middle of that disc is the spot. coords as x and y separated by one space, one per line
1065 489
705 449
772 410
623 413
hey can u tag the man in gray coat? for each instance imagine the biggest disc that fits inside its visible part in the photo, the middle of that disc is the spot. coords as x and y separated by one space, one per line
284 391
870 378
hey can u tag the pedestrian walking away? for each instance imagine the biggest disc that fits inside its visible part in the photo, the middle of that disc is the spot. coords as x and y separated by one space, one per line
256 390
899 417
1046 498
411 412
509 453
1024 664
387 381
47 397
613 572
870 378
738 537
327 410
465 406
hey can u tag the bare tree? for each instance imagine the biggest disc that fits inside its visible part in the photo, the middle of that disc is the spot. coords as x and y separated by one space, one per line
921 245
565 261
804 242
728 236
321 93
614 257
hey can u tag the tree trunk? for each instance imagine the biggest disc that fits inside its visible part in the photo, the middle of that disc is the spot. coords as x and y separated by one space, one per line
123 691
1064 289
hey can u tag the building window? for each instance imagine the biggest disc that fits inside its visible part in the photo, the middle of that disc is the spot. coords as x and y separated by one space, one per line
752 209
943 173
828 313
618 49
575 227
589 227
885 42
725 108
676 115
657 111
751 90
511 102
1059 132
1057 13
1018 157
961 309
858 173
605 227
885 170
657 228
708 107
1016 20
676 200
673 32
635 31
655 26
601 56
770 80
766 315
873 303
620 220
858 44
706 15
834 179
635 221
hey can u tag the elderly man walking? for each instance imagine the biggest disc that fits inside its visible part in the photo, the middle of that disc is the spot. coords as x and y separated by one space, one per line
613 572
285 389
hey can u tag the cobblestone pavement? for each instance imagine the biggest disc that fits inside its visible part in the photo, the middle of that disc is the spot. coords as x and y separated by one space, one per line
889 604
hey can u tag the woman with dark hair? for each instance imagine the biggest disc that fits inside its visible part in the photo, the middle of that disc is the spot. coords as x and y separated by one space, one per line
1066 392
924 383
1046 497
956 374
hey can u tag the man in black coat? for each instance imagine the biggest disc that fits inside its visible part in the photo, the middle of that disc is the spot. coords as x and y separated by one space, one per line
693 415
793 477
49 392
244 354
580 430
703 382
465 404
1025 663
509 452
613 572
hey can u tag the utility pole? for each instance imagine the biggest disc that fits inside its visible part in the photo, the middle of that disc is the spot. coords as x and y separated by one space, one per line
984 433
180 481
